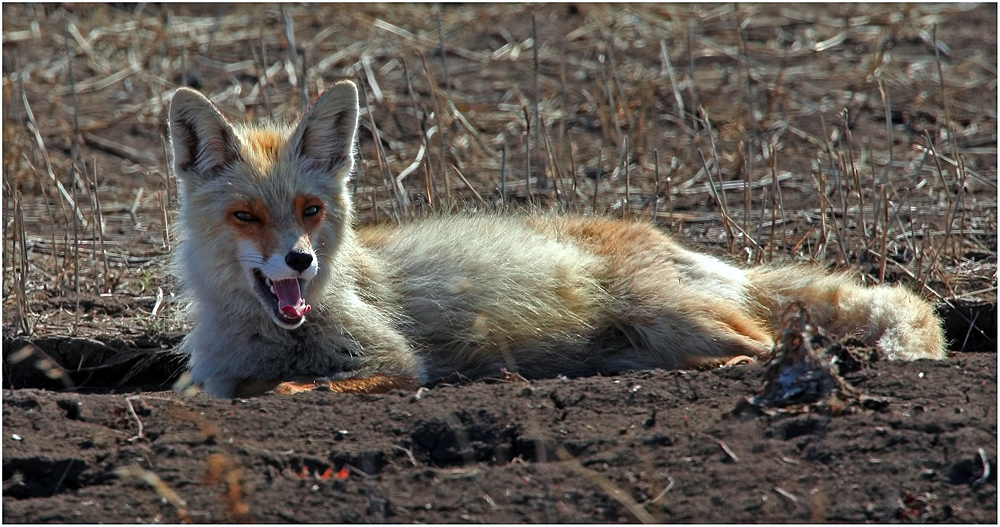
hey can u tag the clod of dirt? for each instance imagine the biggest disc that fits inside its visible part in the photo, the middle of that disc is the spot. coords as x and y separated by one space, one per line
973 471
464 438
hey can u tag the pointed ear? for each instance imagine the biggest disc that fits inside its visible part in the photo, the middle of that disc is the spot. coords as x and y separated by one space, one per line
324 139
202 140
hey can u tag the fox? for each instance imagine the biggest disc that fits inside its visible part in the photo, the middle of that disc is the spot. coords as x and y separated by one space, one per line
286 293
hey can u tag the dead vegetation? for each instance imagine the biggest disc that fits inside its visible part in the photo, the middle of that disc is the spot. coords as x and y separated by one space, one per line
859 136
863 137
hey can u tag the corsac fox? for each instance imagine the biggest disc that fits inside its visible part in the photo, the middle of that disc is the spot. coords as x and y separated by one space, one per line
285 293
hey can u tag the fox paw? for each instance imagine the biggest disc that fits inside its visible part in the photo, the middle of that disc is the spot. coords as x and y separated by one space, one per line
740 359
375 384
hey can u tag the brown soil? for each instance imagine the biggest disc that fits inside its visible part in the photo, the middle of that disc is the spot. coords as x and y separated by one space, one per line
846 101
661 441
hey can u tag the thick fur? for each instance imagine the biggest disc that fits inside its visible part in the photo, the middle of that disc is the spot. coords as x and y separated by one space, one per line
541 295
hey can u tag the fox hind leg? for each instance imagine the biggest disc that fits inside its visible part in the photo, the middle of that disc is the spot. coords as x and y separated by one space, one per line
678 308
675 325
701 338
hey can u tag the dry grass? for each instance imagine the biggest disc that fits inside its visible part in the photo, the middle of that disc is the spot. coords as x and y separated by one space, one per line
862 136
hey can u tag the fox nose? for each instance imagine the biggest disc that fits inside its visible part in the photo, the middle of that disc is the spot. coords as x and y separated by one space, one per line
298 260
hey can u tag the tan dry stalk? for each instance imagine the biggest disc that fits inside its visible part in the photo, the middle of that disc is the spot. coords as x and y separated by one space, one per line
469 185
608 486
21 271
168 494
628 180
885 232
99 227
383 163
527 155
442 125
597 179
556 170
503 176
656 183
536 102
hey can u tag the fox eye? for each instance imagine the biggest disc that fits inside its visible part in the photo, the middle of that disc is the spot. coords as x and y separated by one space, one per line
311 210
243 215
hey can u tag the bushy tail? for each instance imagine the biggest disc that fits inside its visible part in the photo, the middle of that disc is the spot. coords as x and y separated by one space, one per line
892 318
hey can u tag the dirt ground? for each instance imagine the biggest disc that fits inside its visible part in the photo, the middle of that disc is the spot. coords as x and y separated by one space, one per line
658 441
861 137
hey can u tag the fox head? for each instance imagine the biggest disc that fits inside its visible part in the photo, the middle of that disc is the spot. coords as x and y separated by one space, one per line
264 207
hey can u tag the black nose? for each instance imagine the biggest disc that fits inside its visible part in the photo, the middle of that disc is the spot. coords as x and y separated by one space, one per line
298 260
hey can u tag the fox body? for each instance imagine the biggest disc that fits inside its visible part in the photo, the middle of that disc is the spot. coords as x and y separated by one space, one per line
284 288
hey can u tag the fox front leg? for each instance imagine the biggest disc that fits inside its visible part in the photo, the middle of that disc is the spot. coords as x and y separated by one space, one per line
377 383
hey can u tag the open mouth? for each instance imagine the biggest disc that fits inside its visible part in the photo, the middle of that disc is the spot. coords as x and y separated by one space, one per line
284 298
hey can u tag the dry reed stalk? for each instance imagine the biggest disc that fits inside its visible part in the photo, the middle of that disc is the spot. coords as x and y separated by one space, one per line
21 271
76 257
885 232
366 65
432 199
843 190
442 126
720 200
667 68
759 257
597 179
944 98
99 227
168 494
422 42
774 206
749 147
556 169
490 152
40 143
383 163
855 177
527 155
293 60
826 208
469 185
561 131
263 78
223 469
421 119
536 101
628 180
444 54
503 175
609 94
608 486
888 127
166 219
577 195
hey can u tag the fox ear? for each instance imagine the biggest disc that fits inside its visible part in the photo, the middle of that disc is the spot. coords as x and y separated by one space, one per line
203 142
324 139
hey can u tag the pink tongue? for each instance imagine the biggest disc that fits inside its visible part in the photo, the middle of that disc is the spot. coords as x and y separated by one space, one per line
290 300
